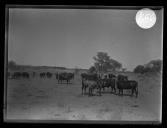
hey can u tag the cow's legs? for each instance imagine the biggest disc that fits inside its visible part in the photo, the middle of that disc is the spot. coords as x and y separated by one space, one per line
136 90
84 90
111 89
132 92
121 92
99 91
89 91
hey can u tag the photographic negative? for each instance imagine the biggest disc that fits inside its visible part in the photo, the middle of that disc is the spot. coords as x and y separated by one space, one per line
83 64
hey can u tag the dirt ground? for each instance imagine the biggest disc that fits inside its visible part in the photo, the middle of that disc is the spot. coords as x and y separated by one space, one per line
45 99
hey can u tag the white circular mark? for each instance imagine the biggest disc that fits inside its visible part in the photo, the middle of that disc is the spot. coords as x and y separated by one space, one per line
145 18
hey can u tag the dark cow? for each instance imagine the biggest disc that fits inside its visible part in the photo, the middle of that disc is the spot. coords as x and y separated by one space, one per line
17 75
25 74
127 84
91 82
72 75
65 77
49 75
89 76
122 78
110 76
42 75
109 82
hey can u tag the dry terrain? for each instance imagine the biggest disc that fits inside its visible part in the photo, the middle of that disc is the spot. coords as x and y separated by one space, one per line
45 99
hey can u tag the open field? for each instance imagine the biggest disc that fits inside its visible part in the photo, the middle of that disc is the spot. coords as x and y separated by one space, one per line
37 98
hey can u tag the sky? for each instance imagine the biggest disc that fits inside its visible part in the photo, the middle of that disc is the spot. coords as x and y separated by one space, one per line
71 37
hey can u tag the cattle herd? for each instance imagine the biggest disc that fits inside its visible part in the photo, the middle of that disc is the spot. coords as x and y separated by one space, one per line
64 76
120 82
90 82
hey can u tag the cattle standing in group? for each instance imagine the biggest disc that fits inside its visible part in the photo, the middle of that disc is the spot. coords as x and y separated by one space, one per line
90 81
17 75
124 83
65 77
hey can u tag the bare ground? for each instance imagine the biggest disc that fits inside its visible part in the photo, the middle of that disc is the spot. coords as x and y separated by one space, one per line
46 99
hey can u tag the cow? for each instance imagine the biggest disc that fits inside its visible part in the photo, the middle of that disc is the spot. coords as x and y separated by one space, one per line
91 82
42 75
89 76
109 82
17 75
110 76
64 76
49 75
25 74
123 84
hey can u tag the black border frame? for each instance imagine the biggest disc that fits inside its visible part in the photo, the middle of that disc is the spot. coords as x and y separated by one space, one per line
91 6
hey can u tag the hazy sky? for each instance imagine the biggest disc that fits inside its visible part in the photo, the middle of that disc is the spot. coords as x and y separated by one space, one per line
71 37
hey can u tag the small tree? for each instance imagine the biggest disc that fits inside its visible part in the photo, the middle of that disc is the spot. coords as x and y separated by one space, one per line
139 69
103 62
12 65
156 65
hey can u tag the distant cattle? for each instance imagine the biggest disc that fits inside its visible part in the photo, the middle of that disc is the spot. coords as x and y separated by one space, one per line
42 75
25 74
49 75
123 83
109 82
17 75
65 77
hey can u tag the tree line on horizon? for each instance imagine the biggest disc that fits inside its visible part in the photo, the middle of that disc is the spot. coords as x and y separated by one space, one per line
104 63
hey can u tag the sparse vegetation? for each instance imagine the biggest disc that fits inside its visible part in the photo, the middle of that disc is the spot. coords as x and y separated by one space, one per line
154 66
103 63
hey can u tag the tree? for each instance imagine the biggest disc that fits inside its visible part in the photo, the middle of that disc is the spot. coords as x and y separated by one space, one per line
103 62
155 65
139 69
152 66
12 64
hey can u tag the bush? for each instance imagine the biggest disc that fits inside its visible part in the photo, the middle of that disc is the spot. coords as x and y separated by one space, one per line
139 69
154 66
